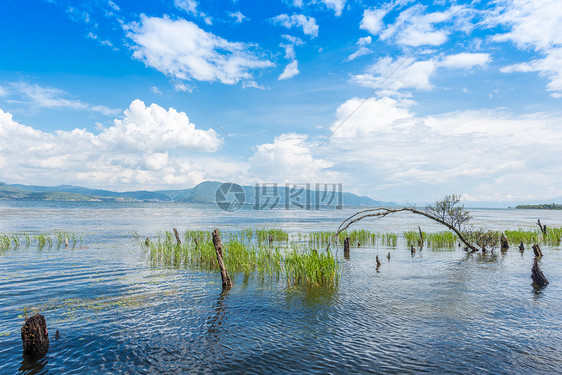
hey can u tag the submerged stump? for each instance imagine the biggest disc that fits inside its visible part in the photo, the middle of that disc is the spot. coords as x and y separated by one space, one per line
521 247
537 251
504 243
346 247
34 335
537 275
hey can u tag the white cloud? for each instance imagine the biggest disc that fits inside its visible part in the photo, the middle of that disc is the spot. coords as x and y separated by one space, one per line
182 49
479 153
289 159
190 7
149 145
414 27
238 17
336 5
534 25
364 41
291 70
155 90
362 51
3 91
49 97
415 74
308 24
465 60
372 20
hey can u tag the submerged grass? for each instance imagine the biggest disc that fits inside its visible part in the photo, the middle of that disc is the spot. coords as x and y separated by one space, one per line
18 240
293 263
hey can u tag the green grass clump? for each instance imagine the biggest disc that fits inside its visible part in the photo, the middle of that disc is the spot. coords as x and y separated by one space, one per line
277 235
297 266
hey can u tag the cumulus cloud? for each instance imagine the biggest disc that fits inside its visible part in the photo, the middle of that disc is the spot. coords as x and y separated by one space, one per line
472 152
372 20
308 24
184 50
536 26
291 70
416 74
149 145
289 159
336 5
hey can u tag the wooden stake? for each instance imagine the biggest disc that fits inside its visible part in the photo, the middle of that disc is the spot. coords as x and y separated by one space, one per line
521 247
378 262
420 242
177 236
226 282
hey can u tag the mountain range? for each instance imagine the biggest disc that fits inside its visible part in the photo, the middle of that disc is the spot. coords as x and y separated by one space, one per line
204 193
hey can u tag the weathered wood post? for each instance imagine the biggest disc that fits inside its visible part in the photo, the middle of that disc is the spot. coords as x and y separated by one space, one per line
537 251
504 243
34 335
226 282
537 275
521 247
177 236
543 227
388 256
412 250
378 263
421 241
346 247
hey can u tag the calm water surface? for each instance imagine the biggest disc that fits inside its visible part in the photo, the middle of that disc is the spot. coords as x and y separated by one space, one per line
439 311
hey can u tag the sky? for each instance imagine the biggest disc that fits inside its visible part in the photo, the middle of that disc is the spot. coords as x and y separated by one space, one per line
399 100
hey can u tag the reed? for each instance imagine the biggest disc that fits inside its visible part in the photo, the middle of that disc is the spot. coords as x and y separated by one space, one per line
296 265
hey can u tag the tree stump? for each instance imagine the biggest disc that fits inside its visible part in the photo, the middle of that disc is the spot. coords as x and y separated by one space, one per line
177 236
421 240
226 282
34 335
537 251
521 247
378 262
504 243
412 250
388 256
346 247
537 275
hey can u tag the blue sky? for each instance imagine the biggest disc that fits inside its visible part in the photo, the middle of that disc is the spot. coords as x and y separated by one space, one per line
398 100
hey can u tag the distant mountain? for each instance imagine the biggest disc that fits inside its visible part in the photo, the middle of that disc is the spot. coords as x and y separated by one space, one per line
203 193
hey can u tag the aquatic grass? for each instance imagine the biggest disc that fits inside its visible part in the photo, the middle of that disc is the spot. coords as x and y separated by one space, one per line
531 236
298 266
277 235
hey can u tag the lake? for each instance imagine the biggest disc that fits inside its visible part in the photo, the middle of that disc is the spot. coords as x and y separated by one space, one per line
439 311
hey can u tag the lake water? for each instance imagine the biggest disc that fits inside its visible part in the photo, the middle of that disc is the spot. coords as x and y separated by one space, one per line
438 311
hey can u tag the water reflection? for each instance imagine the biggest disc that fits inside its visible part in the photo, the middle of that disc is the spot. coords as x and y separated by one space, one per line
216 321
31 365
